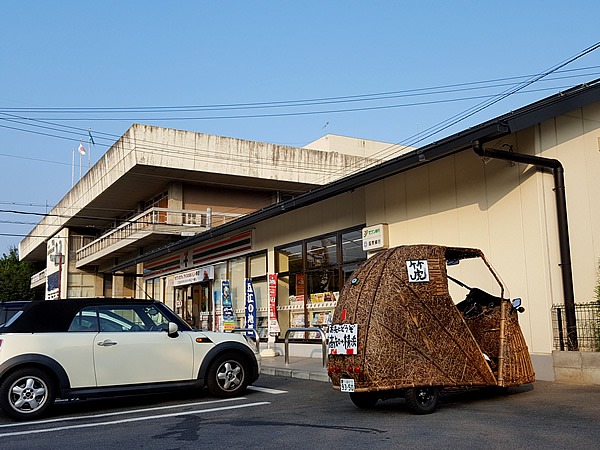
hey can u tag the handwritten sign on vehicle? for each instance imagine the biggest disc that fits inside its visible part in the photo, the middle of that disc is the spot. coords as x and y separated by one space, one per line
343 339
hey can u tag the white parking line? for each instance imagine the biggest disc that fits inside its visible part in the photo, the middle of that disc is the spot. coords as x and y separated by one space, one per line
118 413
267 390
133 419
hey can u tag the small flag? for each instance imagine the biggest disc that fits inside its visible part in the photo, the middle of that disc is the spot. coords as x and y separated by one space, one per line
91 138
81 149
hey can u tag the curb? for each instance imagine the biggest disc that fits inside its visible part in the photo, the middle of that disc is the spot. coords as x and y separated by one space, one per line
299 374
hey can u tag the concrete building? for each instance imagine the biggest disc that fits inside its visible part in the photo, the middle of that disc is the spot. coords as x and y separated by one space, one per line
522 187
157 185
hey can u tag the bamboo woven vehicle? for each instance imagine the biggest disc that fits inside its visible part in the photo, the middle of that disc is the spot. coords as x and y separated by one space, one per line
397 332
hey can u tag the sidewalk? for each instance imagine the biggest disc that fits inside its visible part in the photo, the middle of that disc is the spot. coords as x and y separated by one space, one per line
299 367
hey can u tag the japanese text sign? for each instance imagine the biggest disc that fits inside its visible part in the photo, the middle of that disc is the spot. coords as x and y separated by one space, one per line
343 339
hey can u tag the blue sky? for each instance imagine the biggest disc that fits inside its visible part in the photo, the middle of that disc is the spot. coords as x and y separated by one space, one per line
124 54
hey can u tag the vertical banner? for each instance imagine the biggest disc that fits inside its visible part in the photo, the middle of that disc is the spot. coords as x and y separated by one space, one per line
228 320
273 324
250 306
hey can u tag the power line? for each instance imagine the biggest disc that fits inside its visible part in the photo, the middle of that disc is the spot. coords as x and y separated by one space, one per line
294 113
300 102
429 132
151 146
256 161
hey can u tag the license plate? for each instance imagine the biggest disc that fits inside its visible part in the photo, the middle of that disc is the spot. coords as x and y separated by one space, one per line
346 385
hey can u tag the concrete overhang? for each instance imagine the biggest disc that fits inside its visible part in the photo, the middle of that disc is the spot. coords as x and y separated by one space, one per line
146 158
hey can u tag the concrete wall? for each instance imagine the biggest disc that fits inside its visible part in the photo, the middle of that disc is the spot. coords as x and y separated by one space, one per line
224 200
166 147
359 147
159 148
577 367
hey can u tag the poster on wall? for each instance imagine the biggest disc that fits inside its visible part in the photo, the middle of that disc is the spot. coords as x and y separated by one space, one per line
250 306
273 323
228 320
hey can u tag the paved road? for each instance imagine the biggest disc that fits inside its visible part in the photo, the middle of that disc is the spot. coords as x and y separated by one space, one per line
292 413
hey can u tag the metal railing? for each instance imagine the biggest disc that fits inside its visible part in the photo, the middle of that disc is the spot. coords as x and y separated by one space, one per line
588 326
38 279
249 330
158 220
323 342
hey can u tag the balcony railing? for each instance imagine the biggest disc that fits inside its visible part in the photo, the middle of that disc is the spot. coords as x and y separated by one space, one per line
160 221
38 279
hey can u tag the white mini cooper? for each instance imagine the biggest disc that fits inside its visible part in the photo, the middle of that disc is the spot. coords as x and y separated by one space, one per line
81 348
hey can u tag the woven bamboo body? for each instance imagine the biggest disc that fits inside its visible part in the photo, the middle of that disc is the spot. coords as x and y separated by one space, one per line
412 334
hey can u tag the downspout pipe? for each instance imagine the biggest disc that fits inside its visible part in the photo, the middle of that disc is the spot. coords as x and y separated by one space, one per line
563 226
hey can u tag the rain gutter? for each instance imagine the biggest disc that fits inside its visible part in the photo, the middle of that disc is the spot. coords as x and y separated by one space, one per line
557 170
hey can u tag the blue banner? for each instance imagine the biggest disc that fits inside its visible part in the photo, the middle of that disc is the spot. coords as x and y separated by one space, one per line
250 306
52 281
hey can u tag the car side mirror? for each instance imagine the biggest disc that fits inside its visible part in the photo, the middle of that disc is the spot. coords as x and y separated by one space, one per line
172 330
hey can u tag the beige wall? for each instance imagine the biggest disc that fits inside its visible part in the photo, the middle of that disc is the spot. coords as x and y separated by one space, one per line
343 211
508 210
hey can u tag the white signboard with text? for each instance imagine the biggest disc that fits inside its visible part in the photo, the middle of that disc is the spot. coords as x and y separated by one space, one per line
375 237
194 276
343 339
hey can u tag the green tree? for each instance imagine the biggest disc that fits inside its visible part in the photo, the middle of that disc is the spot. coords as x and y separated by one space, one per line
15 277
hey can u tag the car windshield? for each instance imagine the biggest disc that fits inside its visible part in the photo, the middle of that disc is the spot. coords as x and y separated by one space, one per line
469 274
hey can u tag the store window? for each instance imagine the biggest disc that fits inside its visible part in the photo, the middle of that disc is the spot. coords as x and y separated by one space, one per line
149 289
310 275
321 252
289 259
352 246
157 290
107 285
169 293
257 265
237 288
217 285
129 286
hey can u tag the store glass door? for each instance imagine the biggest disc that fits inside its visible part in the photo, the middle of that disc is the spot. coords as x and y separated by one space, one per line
203 313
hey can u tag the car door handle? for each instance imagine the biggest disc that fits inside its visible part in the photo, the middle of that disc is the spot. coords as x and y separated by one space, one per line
107 343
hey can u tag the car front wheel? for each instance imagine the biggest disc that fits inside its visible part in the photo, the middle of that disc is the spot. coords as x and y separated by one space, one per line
228 375
27 394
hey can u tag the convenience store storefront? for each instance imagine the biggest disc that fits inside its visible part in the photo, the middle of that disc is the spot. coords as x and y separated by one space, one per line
310 274
191 282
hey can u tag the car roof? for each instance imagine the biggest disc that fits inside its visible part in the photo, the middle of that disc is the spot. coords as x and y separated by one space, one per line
13 304
56 315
